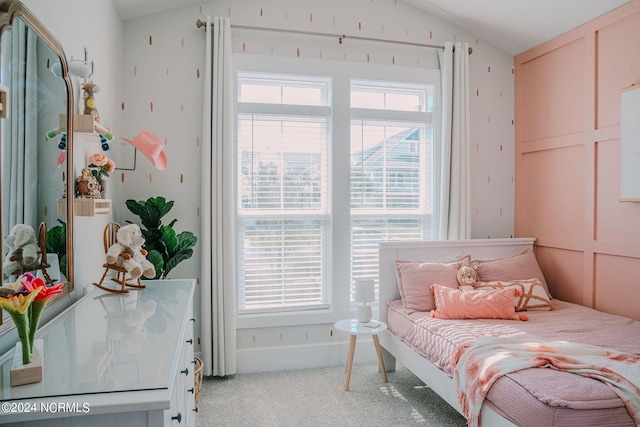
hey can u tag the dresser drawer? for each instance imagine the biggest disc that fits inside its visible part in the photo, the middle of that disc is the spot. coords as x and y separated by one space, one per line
182 408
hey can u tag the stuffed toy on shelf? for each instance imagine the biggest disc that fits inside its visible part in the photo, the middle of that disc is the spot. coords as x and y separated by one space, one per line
90 89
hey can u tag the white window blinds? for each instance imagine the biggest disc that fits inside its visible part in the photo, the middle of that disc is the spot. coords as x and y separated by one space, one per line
327 168
391 169
283 191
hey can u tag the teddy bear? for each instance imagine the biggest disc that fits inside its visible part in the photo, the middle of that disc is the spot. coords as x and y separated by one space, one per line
129 240
467 276
127 326
22 239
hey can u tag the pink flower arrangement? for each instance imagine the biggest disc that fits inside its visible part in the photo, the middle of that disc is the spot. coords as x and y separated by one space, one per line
101 166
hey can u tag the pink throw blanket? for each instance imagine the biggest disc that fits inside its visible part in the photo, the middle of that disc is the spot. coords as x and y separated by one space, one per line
479 365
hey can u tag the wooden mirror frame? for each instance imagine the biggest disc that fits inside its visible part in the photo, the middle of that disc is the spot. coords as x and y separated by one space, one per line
9 11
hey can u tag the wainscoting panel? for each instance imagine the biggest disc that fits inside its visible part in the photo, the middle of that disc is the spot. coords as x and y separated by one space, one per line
618 64
617 290
553 87
563 270
553 214
567 106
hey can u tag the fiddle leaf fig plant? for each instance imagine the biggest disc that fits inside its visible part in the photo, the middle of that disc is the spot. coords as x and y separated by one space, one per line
57 243
165 248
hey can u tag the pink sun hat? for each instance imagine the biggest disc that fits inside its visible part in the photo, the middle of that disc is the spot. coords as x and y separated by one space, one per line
151 146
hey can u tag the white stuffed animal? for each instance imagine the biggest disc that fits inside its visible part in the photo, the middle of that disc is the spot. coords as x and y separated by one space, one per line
22 238
127 327
129 240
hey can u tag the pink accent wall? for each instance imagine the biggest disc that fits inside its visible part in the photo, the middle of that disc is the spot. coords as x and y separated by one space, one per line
567 166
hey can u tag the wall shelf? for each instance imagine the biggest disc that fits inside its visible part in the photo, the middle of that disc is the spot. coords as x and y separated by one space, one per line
85 207
81 123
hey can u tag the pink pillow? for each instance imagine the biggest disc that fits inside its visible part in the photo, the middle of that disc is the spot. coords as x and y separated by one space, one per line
415 277
489 304
516 267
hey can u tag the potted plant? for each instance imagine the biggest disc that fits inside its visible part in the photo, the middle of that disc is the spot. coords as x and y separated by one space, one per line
57 243
165 248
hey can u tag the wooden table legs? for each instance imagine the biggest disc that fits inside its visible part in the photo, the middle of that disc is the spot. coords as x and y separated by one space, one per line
380 361
352 350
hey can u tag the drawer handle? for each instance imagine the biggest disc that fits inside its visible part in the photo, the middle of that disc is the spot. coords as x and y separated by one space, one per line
190 341
177 417
185 371
191 390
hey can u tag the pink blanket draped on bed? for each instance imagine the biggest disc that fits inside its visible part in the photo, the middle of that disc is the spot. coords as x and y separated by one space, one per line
479 365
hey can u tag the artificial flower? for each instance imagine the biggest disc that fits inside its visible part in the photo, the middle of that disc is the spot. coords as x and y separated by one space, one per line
25 278
98 159
39 302
111 166
101 166
18 307
46 292
18 303
11 289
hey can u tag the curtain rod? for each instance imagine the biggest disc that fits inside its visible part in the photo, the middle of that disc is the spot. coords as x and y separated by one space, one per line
340 37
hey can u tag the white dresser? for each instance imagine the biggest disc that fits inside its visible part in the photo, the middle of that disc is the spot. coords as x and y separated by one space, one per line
112 360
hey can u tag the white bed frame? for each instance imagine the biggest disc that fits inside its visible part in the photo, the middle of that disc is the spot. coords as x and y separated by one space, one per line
435 251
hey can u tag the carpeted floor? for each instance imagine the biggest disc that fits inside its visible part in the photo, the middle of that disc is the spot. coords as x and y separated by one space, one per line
316 397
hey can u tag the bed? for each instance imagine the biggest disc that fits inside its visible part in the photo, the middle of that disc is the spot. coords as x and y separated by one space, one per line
530 397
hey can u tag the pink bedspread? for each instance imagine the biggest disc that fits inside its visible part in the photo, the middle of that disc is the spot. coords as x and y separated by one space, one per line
489 358
438 339
532 397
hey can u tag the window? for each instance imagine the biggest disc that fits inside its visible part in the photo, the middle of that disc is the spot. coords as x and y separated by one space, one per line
391 168
331 160
283 182
289 90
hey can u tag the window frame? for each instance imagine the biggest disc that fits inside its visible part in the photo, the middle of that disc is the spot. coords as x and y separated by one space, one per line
341 73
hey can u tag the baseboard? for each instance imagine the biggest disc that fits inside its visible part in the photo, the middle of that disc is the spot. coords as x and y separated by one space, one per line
283 358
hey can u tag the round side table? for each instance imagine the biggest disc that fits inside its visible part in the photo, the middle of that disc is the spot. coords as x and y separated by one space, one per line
355 328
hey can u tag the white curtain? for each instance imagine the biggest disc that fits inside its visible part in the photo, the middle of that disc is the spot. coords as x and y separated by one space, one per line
455 188
218 281
19 132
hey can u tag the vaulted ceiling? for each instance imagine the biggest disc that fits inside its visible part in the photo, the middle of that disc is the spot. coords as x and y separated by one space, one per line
511 25
517 25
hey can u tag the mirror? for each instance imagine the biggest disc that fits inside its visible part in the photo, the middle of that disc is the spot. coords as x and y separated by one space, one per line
33 166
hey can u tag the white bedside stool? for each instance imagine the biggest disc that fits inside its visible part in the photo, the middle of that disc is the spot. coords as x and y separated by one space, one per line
355 328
